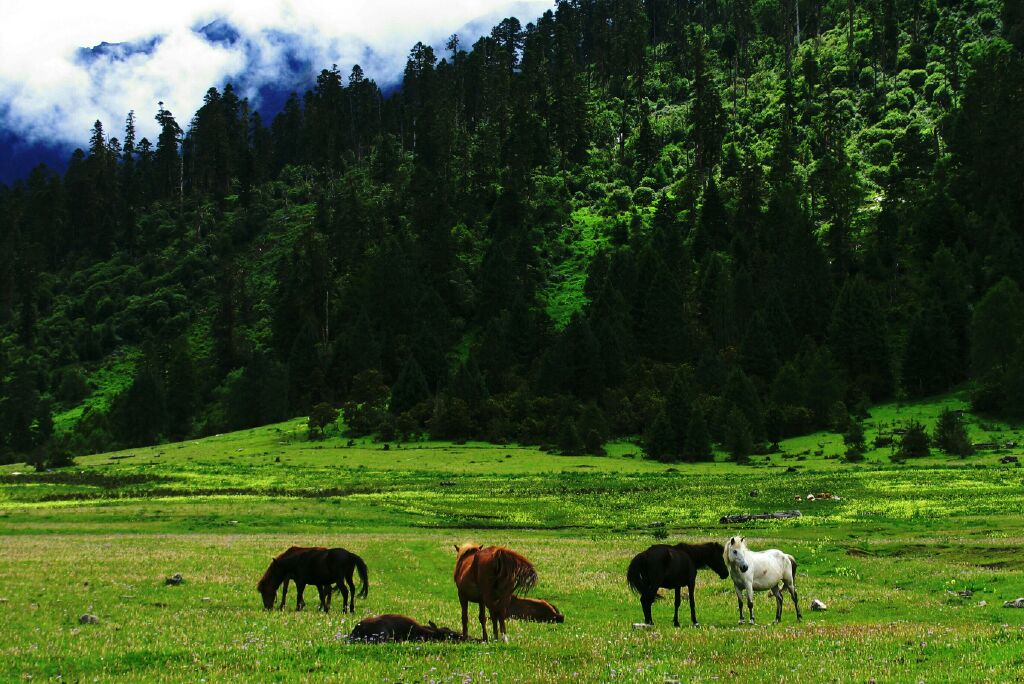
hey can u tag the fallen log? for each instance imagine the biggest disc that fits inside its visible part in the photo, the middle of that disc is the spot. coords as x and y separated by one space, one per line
777 515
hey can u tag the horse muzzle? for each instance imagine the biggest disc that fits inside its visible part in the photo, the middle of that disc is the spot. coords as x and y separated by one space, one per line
744 568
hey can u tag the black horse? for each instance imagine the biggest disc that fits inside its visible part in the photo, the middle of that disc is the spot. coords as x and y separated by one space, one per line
673 567
317 566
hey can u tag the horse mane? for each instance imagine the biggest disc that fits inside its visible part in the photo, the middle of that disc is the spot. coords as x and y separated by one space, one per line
272 573
465 549
269 575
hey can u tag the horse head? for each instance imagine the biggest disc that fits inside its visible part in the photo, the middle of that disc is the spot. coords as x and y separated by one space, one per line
716 560
267 586
468 547
443 633
734 553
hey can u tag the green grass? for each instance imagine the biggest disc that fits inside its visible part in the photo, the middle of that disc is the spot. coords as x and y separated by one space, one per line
888 559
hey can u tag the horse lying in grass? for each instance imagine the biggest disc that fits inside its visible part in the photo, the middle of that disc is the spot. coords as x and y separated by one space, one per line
533 610
320 567
489 575
760 571
672 567
400 628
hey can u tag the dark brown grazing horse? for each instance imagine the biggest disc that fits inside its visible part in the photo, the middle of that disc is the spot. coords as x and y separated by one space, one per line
533 610
400 628
317 566
673 567
323 590
489 575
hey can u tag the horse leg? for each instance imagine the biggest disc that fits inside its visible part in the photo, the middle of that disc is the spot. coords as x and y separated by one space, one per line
645 603
777 593
739 601
792 592
344 597
352 594
675 617
284 593
750 601
693 608
465 616
323 597
300 588
483 618
494 620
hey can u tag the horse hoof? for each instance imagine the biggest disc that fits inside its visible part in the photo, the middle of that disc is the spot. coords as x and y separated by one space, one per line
752 622
742 622
696 624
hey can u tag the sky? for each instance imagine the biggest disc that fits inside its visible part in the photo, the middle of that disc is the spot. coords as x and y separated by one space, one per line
65 64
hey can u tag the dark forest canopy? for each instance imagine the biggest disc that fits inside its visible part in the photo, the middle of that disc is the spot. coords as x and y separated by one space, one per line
725 222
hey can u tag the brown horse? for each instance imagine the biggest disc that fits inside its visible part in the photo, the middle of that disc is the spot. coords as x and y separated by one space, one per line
534 610
489 575
318 566
300 603
400 628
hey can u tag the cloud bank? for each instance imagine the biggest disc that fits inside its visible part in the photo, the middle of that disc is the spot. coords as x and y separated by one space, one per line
65 65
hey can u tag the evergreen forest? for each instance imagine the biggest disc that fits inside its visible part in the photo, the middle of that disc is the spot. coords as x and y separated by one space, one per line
702 225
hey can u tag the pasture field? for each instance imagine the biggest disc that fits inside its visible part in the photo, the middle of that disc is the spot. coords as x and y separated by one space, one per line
889 559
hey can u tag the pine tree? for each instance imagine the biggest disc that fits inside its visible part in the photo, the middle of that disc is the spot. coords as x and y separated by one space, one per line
857 336
659 439
180 390
697 445
996 327
569 442
409 389
738 440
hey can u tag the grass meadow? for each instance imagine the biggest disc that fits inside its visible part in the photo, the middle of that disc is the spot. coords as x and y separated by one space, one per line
890 559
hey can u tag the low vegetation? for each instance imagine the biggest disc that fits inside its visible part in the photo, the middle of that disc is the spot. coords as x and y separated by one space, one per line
914 559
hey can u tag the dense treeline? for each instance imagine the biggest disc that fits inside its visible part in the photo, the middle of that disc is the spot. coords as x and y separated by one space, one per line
718 222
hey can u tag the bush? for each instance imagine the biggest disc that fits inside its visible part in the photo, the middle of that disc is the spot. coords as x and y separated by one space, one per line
914 443
951 434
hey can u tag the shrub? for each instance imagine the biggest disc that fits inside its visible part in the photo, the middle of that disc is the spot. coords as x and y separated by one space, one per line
951 434
914 443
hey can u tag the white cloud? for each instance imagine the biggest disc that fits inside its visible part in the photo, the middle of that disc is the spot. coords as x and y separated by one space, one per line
48 92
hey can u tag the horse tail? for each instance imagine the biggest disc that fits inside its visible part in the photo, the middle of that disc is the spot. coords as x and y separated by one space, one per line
513 566
361 568
792 563
635 574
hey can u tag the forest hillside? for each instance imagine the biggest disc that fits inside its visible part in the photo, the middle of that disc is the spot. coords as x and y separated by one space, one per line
725 222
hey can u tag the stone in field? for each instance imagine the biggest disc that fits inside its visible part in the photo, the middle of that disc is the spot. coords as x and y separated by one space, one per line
174 580
817 604
1016 603
642 625
88 619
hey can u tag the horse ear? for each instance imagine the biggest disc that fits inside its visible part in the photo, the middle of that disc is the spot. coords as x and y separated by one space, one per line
742 539
431 623
456 546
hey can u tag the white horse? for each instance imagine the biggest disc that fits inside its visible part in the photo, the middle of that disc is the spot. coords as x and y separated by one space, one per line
759 571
